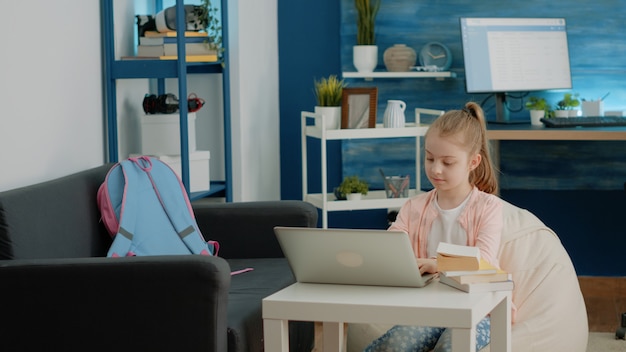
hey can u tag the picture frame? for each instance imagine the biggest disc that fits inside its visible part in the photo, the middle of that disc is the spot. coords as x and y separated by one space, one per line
358 107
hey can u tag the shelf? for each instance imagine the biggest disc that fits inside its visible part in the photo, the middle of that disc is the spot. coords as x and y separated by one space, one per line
217 188
158 68
363 133
412 74
150 68
411 130
373 200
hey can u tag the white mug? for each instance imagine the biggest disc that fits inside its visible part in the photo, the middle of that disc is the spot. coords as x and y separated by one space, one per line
394 114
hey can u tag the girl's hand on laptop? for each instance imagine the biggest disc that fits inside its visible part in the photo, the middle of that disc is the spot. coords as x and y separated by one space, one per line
427 265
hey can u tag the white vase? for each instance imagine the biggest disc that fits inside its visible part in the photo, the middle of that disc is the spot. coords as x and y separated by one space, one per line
394 114
331 116
365 57
536 116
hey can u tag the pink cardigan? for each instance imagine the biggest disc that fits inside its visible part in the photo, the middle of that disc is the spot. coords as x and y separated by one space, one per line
481 218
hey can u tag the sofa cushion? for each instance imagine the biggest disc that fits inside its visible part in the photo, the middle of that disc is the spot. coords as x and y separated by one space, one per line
247 290
32 218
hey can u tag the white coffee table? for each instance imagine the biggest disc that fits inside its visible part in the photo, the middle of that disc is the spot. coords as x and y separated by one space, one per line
434 305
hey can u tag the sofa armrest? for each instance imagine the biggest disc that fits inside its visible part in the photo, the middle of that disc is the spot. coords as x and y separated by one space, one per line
156 303
246 229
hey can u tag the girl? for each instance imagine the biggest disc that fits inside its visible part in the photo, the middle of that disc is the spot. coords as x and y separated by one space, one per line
461 209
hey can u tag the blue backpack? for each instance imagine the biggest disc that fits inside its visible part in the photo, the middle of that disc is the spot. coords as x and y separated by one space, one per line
145 208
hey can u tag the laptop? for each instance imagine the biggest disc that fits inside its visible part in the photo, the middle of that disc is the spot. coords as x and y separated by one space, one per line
351 257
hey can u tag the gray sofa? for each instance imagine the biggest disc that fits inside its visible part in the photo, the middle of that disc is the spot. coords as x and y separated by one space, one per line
59 292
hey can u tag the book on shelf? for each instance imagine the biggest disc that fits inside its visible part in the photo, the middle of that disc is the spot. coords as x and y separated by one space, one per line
173 34
169 40
192 58
457 257
189 58
507 285
171 49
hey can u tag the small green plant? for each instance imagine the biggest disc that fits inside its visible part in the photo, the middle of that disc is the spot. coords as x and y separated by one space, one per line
536 103
366 18
569 102
208 15
328 91
352 184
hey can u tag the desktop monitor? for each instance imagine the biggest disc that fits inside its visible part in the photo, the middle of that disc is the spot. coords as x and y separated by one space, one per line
504 55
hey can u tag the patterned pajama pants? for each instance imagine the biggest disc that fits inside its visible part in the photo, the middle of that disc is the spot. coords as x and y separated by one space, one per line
401 338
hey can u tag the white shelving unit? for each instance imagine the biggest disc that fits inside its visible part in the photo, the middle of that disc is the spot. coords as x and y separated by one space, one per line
374 199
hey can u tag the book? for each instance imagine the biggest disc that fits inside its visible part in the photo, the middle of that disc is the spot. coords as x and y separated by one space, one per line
507 285
192 58
171 49
169 40
457 257
189 58
483 268
500 275
173 34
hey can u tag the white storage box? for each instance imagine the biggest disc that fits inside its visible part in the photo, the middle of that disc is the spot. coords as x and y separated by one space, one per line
199 176
160 134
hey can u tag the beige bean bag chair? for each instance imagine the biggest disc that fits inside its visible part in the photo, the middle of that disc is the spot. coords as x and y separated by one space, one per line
551 313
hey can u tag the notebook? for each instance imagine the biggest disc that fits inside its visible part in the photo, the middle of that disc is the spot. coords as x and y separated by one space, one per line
351 257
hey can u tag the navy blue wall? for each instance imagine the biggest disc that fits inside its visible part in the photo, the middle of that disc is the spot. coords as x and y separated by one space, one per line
574 187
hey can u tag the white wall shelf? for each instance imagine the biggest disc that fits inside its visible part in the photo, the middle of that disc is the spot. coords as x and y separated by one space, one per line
375 199
411 74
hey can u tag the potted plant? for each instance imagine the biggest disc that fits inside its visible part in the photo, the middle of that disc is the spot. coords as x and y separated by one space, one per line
328 93
352 188
365 52
568 103
208 16
538 108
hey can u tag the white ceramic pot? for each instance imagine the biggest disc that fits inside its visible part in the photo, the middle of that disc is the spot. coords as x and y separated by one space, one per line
365 57
536 116
561 113
394 114
354 196
331 116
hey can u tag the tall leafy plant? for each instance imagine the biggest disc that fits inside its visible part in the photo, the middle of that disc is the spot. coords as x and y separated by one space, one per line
366 18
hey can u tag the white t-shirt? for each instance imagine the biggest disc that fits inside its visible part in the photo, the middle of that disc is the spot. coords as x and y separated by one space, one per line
446 228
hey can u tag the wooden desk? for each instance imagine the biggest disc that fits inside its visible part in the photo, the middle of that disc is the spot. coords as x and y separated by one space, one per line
433 305
527 132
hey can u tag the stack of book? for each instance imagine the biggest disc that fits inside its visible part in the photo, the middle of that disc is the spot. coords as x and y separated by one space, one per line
163 46
462 268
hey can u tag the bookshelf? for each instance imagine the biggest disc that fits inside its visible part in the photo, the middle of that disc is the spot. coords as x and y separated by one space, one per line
115 69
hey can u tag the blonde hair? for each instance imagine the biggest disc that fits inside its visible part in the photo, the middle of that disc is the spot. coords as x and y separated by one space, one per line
470 123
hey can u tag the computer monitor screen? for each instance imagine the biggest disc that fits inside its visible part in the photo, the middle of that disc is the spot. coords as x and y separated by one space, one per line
515 55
